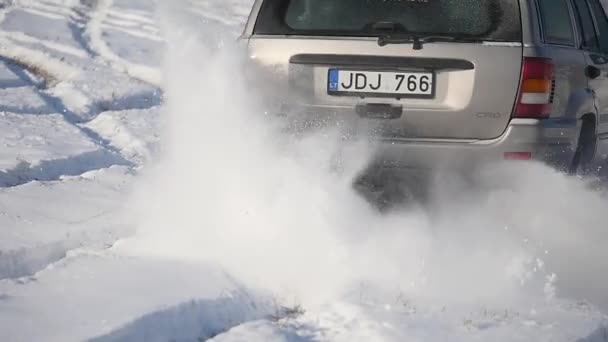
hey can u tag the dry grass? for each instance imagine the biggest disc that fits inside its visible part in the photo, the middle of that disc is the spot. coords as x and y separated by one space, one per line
47 80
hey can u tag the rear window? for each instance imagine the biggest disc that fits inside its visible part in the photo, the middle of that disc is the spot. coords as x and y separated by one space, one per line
488 19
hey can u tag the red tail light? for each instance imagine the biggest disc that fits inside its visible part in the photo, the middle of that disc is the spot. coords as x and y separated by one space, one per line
536 88
518 155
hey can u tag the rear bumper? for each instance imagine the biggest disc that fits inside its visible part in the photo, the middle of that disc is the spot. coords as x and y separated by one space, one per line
552 141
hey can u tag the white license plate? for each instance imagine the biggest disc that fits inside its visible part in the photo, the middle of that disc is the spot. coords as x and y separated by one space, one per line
381 83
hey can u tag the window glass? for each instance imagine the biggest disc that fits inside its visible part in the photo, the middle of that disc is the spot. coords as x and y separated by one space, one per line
557 26
586 24
489 19
602 24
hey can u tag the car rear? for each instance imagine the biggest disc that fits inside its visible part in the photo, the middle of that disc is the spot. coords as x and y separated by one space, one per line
428 77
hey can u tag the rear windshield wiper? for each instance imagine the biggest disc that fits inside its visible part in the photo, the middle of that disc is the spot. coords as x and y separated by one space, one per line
396 33
419 40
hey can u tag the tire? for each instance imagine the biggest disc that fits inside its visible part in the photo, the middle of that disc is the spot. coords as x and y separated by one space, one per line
387 189
585 150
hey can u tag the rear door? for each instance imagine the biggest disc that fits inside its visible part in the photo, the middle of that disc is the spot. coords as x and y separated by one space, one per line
597 58
357 59
558 23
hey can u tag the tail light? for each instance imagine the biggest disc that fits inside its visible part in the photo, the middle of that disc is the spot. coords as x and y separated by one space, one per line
536 88
518 155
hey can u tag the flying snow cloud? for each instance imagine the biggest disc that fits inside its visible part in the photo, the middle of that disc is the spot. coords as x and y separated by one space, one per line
275 211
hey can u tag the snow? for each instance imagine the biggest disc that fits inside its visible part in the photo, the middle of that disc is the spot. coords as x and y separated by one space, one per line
65 217
142 198
104 297
135 133
121 42
46 147
346 322
21 99
38 61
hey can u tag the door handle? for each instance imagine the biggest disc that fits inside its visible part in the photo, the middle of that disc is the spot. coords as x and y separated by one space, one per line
593 72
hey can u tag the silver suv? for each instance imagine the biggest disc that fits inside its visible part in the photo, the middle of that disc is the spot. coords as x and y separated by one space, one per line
445 80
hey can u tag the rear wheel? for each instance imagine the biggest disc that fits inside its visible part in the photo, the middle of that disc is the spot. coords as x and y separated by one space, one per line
585 150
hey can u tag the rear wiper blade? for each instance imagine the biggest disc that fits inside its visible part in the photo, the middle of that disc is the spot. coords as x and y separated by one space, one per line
396 33
419 40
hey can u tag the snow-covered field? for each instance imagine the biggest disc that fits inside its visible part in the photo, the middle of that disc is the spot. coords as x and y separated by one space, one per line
229 232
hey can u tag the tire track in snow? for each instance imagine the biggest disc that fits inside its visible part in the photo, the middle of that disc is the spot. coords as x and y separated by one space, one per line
128 131
20 37
56 71
116 18
41 13
94 32
37 238
130 16
23 264
51 170
53 85
48 170
51 80
74 18
45 8
132 32
196 320
49 69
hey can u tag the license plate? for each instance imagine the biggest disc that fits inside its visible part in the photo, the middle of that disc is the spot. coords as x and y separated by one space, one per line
381 83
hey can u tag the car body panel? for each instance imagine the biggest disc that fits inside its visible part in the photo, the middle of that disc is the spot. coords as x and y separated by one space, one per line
468 104
472 110
548 140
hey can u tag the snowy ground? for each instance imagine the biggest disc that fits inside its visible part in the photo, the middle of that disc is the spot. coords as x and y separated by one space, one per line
81 103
